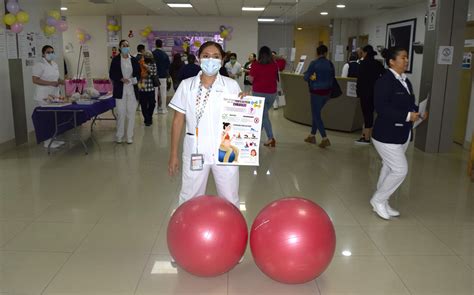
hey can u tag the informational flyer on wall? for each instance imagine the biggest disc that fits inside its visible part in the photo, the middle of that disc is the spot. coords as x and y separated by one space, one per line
240 128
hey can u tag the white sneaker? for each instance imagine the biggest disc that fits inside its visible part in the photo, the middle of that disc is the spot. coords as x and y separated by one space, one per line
162 111
129 141
380 209
392 212
54 144
118 140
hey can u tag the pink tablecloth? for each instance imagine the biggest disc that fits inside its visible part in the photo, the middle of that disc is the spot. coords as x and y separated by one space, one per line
101 85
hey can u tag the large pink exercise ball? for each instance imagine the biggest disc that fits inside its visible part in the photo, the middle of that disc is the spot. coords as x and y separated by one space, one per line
292 240
207 236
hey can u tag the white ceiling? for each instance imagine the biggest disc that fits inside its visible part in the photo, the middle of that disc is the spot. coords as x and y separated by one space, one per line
285 11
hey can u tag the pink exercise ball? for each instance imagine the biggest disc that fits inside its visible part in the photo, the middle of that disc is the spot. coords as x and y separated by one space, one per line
207 236
292 240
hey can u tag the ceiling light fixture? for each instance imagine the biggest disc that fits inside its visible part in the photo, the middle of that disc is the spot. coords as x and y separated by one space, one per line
324 13
341 6
266 20
299 28
63 8
253 8
180 5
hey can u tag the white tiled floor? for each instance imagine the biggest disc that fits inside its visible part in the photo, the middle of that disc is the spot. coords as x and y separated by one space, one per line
96 224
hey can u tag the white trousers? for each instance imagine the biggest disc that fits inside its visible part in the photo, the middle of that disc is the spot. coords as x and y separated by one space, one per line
163 93
394 168
194 182
126 110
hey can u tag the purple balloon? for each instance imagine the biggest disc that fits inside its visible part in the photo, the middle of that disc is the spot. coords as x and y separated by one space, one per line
61 26
112 22
151 36
16 27
13 7
51 21
88 37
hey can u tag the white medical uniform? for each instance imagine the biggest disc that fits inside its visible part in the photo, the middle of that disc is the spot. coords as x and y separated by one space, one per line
127 105
233 69
48 72
184 101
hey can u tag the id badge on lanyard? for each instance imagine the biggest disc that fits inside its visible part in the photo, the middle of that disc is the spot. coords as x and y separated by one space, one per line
197 159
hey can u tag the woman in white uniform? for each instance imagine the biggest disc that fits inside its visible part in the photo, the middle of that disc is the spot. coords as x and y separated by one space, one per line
197 102
45 76
125 73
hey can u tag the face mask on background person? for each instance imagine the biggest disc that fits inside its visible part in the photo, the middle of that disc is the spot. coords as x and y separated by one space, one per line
125 50
50 56
210 66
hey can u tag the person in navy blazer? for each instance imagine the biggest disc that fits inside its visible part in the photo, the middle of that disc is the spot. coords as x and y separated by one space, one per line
396 111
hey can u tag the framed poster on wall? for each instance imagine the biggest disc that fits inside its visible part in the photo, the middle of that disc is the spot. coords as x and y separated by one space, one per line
402 34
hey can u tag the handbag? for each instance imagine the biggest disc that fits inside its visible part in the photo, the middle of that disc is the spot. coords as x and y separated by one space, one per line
336 89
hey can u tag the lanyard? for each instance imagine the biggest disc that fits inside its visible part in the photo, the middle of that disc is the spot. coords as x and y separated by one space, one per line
201 103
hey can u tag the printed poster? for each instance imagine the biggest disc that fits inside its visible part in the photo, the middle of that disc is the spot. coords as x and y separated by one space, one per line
241 126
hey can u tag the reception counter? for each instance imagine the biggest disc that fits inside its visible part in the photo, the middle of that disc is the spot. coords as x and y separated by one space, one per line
341 114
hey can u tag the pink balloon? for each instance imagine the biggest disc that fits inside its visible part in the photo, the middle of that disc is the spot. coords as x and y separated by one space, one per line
13 7
16 28
51 21
62 26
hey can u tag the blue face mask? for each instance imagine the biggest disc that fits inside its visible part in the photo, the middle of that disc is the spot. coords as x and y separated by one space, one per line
210 66
50 56
125 50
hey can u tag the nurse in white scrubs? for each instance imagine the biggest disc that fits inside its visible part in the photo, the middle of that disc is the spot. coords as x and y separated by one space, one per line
197 102
46 79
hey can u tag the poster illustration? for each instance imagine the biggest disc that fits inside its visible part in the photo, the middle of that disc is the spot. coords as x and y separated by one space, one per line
240 125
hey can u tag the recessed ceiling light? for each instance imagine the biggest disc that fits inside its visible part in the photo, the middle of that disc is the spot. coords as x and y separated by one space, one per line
180 5
324 13
253 8
341 6
299 28
266 20
63 8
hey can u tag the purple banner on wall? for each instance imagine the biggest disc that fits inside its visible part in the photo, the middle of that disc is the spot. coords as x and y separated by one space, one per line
184 41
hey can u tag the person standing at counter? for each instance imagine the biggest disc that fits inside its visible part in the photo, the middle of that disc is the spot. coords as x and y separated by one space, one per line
125 72
351 68
369 71
396 112
264 78
45 76
320 76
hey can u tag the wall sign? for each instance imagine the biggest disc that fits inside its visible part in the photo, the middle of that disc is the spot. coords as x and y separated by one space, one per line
445 55
432 19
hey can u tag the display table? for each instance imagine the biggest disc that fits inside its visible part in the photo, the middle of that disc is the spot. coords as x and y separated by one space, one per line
101 85
341 114
51 121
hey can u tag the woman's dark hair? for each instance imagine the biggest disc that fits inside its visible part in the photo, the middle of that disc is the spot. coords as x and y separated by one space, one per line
46 47
265 55
177 59
191 59
392 53
369 50
225 125
353 56
121 42
211 43
233 55
254 55
322 49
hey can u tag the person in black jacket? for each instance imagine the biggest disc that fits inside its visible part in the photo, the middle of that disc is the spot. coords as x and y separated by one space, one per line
189 70
125 72
396 112
163 66
369 71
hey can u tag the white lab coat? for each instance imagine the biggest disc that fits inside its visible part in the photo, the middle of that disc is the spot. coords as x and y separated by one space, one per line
184 101
48 72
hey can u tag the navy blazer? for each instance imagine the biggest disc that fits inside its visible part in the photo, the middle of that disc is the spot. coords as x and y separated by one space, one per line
392 104
115 74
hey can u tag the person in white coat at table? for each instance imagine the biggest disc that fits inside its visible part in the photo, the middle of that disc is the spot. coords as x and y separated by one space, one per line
396 111
45 76
197 102
125 72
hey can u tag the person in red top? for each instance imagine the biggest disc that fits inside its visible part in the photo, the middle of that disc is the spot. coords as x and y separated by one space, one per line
280 61
264 77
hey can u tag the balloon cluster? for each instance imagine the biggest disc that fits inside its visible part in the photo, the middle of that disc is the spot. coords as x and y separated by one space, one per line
197 43
147 33
226 32
113 27
82 36
54 23
15 18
